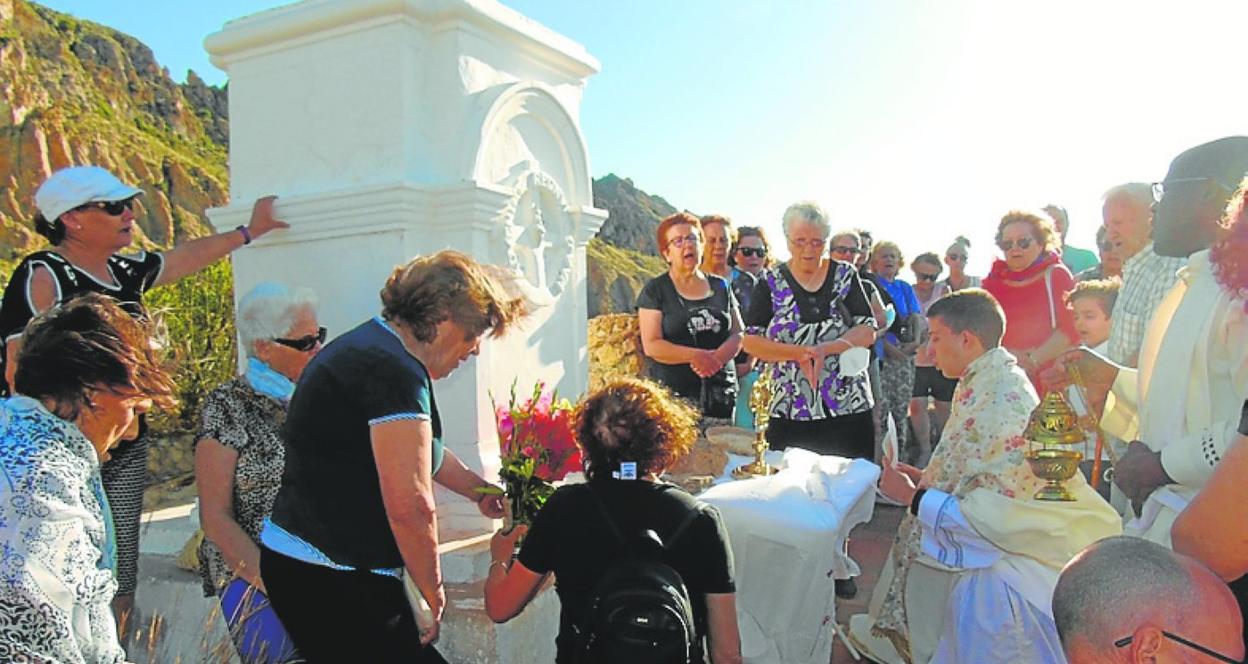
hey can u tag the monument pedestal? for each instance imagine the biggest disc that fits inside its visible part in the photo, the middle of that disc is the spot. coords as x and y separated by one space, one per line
396 128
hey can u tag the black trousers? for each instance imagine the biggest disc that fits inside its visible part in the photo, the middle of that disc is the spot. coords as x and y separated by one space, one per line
336 616
851 436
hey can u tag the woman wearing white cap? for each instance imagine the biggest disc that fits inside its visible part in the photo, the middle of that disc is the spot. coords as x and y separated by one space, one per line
86 214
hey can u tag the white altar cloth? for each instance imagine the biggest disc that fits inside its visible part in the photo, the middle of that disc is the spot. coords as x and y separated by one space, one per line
788 534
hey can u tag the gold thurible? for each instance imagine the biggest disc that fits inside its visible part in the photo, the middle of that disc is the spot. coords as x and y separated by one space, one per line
760 405
1052 430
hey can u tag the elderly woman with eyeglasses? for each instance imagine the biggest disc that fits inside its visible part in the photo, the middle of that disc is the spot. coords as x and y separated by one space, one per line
1031 283
239 458
803 316
690 323
87 372
88 216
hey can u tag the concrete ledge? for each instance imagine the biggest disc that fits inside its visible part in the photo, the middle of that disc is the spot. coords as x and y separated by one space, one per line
470 637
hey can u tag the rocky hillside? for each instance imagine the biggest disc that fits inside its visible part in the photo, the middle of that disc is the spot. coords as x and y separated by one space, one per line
75 92
634 213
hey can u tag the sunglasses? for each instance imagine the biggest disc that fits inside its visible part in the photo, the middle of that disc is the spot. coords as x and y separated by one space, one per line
305 344
113 208
1126 641
1023 243
955 257
926 277
751 251
846 251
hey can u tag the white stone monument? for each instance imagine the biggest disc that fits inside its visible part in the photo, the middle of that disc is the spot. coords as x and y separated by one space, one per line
393 128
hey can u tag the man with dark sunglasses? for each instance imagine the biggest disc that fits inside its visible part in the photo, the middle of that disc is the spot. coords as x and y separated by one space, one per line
1126 599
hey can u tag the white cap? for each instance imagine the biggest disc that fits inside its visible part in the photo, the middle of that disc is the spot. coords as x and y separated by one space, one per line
71 187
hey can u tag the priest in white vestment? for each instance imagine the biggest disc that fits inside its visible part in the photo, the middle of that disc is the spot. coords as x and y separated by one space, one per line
971 573
1182 406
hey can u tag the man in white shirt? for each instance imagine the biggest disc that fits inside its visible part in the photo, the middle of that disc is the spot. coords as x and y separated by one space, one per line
972 569
1182 406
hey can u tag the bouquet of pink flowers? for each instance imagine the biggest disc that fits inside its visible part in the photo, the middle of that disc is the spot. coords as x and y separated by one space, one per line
537 448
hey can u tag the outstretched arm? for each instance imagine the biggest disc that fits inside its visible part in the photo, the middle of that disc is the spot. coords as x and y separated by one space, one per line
191 257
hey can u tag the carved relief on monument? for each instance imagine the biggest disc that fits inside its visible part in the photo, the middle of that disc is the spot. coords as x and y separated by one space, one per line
538 234
531 148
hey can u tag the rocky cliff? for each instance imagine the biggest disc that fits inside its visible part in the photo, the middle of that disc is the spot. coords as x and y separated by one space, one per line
75 92
634 213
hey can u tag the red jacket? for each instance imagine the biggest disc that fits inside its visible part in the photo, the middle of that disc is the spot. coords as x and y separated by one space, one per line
1032 312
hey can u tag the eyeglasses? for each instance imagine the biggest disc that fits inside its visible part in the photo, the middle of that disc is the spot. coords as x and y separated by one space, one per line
1126 641
682 240
305 344
955 257
802 242
1022 242
1159 188
926 277
113 208
758 252
845 251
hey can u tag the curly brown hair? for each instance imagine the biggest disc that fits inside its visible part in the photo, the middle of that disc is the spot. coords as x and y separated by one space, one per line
86 345
631 419
1042 228
448 286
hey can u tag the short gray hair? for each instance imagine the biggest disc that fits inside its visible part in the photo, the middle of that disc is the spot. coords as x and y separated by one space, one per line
846 233
1140 193
807 212
1117 583
268 310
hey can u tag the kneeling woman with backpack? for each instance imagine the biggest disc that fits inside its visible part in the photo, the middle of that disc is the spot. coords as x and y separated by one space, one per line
643 570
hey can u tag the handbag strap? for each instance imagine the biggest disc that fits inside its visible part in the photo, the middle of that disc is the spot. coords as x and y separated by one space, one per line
1048 290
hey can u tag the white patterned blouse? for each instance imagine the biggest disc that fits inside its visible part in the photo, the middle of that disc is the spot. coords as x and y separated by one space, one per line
56 546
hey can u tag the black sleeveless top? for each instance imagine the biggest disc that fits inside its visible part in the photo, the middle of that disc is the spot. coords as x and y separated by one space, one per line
132 276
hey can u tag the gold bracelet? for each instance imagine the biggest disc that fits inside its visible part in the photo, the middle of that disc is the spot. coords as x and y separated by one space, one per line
501 564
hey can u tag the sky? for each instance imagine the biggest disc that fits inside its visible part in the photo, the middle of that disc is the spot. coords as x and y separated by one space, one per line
918 120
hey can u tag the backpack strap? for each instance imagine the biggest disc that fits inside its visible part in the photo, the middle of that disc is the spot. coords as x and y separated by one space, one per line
606 515
680 529
683 525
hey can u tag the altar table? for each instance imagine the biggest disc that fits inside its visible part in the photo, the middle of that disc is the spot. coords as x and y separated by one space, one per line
788 535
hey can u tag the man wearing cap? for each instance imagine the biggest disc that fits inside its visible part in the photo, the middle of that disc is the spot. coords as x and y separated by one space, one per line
86 213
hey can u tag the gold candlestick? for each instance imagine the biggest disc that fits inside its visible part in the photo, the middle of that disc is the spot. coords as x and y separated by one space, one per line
760 405
1051 430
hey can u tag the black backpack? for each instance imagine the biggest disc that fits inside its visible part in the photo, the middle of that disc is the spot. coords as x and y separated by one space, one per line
640 609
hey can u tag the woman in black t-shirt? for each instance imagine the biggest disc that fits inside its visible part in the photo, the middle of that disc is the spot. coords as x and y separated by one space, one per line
627 420
690 325
355 511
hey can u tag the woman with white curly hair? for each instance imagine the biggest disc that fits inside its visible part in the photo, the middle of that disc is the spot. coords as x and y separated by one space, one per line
239 458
